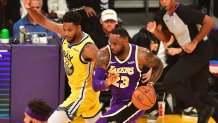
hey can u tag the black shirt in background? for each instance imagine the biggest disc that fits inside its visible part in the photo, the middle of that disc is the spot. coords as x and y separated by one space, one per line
99 37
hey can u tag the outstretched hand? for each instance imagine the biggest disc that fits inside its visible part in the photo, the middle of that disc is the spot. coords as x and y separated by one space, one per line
26 3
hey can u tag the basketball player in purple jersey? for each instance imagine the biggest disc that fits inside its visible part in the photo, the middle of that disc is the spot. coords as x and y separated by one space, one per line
118 68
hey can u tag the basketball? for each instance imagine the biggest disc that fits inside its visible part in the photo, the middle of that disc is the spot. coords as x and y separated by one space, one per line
144 97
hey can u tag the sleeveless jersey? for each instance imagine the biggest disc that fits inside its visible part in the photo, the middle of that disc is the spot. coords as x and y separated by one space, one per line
129 74
79 73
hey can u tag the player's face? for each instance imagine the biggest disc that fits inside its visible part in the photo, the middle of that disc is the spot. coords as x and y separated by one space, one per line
27 119
36 4
108 25
117 44
71 31
168 4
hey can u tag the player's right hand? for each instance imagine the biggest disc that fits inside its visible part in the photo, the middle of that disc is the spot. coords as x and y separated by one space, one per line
26 3
151 26
146 76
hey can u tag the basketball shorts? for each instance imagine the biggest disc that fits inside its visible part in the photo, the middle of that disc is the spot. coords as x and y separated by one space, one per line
86 107
121 112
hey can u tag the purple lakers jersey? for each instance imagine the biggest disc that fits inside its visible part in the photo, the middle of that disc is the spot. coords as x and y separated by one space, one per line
129 74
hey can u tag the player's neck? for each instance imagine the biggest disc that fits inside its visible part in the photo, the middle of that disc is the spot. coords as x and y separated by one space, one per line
124 53
172 9
78 38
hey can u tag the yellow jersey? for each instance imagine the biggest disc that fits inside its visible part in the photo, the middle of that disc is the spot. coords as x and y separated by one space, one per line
83 100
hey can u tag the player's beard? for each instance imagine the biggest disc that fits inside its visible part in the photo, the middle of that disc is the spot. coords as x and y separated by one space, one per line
71 41
119 53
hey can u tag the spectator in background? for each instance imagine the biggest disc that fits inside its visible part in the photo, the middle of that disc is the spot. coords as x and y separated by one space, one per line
30 24
88 9
37 111
108 21
54 9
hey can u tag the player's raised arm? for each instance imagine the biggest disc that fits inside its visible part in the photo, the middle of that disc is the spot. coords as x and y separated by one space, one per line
147 58
42 20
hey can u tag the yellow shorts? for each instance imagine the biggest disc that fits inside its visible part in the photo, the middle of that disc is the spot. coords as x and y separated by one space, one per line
86 106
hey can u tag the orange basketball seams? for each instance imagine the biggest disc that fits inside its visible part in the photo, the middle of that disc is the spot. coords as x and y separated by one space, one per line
144 97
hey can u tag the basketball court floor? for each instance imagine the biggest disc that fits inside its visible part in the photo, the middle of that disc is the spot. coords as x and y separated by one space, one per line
166 119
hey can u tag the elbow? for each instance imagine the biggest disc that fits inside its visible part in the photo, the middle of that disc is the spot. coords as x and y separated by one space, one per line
209 22
158 64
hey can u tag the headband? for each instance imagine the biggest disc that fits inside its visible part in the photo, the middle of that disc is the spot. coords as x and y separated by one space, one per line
35 116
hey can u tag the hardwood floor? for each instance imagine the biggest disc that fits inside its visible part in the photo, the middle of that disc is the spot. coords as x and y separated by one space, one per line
166 119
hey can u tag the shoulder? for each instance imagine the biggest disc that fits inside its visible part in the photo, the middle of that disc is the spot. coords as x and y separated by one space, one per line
103 57
188 13
89 51
20 22
90 46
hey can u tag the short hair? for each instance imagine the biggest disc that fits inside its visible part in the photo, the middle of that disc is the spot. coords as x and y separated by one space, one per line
121 31
39 107
158 17
38 0
72 17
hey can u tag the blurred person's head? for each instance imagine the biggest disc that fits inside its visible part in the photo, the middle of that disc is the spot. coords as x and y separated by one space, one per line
71 25
108 20
37 111
168 5
158 18
36 4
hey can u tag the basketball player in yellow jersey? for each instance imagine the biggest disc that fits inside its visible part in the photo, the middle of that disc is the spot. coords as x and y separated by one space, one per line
79 53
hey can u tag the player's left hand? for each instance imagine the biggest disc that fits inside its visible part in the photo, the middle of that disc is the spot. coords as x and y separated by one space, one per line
111 78
146 76
189 48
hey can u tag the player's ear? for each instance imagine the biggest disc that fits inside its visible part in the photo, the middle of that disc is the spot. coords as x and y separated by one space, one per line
79 27
126 40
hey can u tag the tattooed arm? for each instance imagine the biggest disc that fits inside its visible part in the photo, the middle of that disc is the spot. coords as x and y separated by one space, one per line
147 58
101 80
103 57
